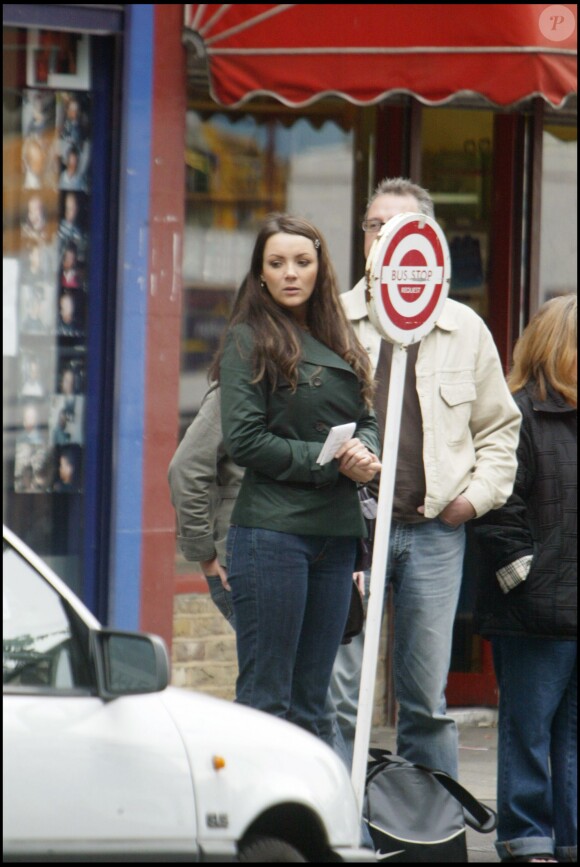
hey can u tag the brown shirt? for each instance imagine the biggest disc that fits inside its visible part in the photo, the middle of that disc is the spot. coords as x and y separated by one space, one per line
410 475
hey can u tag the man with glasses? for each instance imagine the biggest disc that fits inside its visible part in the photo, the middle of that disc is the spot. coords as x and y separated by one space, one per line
456 460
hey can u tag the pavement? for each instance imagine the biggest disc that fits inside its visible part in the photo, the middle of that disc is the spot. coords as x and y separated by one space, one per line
477 767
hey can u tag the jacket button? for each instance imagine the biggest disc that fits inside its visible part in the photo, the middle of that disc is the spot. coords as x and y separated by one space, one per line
317 381
320 426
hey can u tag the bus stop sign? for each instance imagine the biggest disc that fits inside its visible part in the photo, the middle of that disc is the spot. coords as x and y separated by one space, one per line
408 274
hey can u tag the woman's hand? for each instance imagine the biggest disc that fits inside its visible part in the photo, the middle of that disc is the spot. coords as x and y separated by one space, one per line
356 461
359 580
213 568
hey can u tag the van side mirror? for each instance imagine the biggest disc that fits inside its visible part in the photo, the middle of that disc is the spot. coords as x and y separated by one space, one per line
129 663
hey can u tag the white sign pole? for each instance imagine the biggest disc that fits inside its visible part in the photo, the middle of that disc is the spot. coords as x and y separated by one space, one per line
378 572
408 275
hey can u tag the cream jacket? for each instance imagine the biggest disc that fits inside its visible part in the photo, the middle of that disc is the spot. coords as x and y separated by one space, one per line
470 421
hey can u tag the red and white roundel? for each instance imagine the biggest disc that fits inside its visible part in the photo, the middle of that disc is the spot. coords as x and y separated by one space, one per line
408 274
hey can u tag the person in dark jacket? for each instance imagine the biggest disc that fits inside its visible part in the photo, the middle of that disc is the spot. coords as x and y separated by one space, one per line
527 599
291 368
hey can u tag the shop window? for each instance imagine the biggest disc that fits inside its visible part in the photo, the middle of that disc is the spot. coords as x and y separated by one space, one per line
559 221
237 171
456 169
47 141
239 168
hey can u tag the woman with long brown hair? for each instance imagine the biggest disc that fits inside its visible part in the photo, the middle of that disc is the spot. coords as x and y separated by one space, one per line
290 369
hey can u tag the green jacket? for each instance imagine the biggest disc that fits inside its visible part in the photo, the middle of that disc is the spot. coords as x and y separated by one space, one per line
278 435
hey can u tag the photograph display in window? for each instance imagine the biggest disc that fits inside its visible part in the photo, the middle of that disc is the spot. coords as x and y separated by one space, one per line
52 291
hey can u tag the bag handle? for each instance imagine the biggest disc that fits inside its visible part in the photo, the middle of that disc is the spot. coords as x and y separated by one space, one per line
380 758
478 816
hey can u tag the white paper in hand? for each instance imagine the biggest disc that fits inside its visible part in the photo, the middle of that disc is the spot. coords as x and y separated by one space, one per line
337 436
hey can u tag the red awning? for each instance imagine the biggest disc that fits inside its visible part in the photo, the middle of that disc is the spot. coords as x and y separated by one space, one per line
364 53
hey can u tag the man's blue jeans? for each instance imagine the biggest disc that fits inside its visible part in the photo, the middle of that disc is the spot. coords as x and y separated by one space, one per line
537 780
291 595
425 566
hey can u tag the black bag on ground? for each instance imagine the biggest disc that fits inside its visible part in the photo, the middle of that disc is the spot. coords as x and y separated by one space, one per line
416 814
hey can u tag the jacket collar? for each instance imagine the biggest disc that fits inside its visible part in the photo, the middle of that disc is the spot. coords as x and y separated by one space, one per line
355 301
554 401
315 352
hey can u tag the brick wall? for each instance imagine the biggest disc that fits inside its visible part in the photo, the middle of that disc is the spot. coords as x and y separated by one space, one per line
204 652
204 647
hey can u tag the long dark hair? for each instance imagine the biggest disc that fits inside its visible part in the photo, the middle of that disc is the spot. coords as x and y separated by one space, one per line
277 336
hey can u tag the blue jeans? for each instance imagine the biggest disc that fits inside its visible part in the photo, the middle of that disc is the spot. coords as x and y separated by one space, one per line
537 780
291 595
221 598
330 731
425 566
342 700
